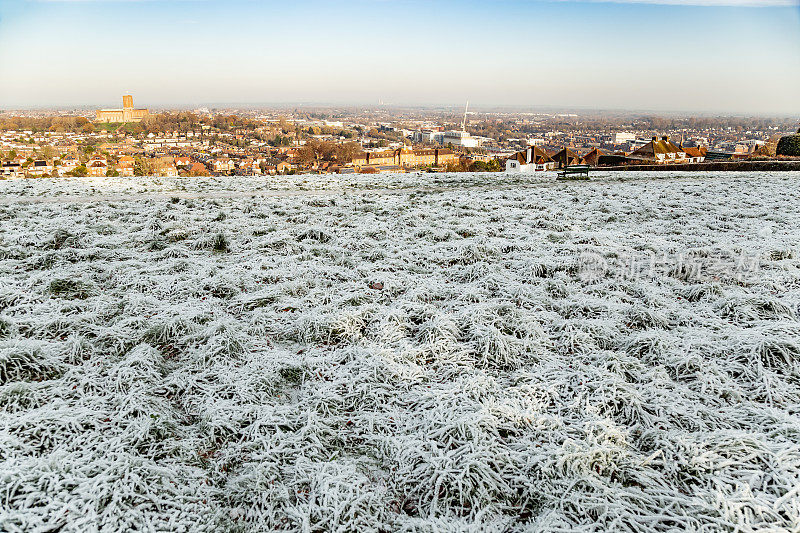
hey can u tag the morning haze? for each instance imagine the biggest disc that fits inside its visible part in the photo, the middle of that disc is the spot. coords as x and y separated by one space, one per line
625 55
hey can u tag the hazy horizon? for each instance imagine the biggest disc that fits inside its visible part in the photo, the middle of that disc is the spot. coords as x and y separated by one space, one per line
722 57
455 108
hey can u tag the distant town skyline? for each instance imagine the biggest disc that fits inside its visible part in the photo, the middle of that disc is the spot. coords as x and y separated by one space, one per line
701 56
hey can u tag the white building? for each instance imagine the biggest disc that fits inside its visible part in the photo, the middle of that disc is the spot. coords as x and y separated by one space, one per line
11 170
533 159
424 136
460 138
623 137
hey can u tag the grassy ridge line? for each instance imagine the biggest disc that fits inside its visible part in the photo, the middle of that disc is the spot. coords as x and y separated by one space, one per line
57 190
714 166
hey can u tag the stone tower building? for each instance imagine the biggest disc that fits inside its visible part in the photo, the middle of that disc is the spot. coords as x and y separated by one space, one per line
124 115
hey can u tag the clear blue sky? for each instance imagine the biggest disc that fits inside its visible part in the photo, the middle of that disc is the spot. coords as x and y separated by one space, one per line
714 55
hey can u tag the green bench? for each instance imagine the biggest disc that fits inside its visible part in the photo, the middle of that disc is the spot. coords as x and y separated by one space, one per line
574 172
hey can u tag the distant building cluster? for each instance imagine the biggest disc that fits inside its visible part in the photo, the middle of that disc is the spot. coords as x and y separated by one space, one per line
251 142
656 151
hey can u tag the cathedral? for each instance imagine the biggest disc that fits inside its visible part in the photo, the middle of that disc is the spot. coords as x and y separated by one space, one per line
126 114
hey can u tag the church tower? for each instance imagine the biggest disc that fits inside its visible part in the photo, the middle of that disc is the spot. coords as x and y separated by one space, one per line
127 108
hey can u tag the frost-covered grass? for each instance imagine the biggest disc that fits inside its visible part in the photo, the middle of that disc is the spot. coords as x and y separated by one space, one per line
517 355
207 186
122 188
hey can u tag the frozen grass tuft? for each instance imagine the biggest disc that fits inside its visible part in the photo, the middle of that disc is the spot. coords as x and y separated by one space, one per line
70 288
26 360
217 242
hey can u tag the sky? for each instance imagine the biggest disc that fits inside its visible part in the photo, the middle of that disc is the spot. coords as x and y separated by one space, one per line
730 56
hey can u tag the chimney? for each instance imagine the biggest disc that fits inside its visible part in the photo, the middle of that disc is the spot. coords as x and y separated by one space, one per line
665 138
529 155
654 139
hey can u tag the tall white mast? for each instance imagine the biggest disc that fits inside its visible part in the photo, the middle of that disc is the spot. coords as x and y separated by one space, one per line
464 122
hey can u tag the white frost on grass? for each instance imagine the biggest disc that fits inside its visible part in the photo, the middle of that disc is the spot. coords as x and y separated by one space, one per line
440 360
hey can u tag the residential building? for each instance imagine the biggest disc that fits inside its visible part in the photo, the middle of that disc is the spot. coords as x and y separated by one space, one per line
283 166
383 157
532 159
437 157
592 158
168 171
694 154
10 169
197 169
566 157
222 164
97 166
405 158
67 164
125 166
39 167
660 152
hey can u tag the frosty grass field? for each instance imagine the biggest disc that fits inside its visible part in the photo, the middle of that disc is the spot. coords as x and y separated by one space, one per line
469 352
